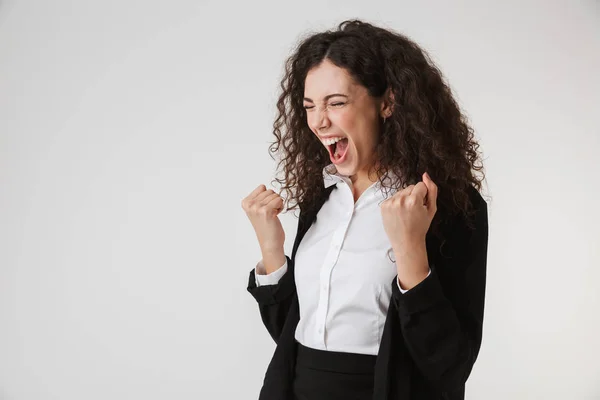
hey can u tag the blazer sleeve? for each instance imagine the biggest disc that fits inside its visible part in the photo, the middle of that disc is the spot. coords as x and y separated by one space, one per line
274 301
441 318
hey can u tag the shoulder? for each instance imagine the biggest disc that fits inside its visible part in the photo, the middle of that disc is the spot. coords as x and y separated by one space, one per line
478 210
459 232
476 198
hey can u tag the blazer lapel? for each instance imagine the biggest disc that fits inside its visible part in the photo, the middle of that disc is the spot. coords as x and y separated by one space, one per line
306 220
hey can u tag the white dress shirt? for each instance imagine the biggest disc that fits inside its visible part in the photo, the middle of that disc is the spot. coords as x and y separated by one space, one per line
344 266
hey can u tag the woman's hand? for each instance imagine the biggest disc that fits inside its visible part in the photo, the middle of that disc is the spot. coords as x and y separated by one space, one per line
262 207
407 215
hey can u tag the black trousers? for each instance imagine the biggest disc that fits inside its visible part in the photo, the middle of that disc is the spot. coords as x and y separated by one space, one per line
331 375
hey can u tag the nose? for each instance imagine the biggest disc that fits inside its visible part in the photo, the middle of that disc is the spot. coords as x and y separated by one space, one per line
322 120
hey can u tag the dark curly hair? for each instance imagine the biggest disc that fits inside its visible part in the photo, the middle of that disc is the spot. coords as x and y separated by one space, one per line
426 131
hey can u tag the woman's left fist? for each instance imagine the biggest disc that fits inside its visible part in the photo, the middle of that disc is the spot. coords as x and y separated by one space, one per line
407 215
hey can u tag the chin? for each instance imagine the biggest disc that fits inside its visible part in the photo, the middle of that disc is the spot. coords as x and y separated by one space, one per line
346 170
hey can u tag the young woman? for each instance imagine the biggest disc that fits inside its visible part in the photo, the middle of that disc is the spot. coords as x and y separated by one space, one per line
383 295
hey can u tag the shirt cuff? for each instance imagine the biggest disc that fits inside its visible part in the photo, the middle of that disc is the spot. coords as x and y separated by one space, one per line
406 290
262 278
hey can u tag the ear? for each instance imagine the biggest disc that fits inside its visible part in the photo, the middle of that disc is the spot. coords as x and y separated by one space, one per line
387 103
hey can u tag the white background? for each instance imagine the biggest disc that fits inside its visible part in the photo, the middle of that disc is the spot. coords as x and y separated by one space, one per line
131 130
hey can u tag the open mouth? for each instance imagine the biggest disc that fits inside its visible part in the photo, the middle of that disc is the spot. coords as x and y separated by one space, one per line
338 149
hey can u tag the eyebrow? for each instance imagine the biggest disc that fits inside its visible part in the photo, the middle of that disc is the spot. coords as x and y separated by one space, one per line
327 97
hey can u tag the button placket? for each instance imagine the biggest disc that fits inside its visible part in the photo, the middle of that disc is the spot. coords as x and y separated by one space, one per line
333 256
323 300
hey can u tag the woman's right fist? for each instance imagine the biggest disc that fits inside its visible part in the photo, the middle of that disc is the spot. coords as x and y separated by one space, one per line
262 207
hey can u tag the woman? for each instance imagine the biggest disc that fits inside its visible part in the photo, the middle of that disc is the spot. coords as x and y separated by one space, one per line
383 295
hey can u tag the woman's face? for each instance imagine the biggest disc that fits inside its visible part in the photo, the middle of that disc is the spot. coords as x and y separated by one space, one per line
337 106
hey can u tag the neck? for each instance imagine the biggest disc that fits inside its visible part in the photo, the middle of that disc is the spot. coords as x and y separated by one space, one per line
367 176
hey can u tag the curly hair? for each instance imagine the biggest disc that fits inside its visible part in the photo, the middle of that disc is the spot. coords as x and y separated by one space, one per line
426 131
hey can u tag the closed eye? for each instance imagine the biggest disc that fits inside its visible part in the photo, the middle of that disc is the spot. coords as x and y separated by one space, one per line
332 104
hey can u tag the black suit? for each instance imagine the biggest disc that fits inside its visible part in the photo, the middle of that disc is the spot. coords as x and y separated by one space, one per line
432 333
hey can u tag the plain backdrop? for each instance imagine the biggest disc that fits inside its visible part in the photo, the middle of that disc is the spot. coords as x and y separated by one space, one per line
131 130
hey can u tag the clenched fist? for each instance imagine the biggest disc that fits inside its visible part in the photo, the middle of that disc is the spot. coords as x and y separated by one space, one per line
262 207
407 215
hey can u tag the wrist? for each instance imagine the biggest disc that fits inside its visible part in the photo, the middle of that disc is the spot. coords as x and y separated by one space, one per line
273 260
412 264
409 246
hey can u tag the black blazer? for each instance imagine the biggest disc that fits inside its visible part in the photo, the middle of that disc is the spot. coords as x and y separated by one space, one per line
432 333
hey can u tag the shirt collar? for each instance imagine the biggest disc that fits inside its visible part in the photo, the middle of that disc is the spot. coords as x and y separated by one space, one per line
331 177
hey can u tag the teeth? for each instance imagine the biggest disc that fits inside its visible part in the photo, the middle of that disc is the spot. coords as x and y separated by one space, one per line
329 142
